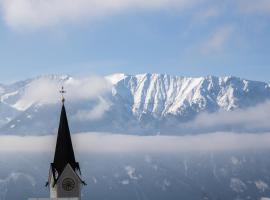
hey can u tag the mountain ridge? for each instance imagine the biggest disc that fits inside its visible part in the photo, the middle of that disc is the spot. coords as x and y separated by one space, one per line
141 103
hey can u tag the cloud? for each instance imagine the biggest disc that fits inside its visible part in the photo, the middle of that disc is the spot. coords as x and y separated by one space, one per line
217 40
207 14
45 90
253 7
87 88
29 14
253 119
242 129
94 113
42 90
111 143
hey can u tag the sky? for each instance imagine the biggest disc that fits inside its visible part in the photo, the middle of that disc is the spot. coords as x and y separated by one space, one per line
178 37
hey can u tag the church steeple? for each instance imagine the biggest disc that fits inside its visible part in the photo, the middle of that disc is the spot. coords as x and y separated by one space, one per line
64 177
64 153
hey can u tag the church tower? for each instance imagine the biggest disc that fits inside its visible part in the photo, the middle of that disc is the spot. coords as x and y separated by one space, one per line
64 175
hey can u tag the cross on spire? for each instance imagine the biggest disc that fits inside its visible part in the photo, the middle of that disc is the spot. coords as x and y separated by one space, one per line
62 92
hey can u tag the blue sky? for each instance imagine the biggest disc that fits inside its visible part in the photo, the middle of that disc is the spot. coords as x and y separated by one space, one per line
178 37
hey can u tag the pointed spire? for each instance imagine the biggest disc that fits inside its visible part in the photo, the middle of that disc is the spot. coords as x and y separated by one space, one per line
64 153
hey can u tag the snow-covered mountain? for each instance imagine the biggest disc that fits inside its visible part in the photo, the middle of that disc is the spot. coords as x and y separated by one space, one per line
163 95
138 104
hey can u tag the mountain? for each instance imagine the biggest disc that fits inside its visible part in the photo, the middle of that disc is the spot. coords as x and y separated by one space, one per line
190 176
134 104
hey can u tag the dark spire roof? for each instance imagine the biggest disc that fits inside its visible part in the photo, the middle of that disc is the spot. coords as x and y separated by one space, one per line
64 153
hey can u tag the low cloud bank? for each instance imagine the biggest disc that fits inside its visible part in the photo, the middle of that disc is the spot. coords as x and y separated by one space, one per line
110 143
252 120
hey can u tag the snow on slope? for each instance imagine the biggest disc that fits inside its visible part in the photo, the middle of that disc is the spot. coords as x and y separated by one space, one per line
164 94
139 102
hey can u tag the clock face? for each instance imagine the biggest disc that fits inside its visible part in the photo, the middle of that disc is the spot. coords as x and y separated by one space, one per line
68 184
